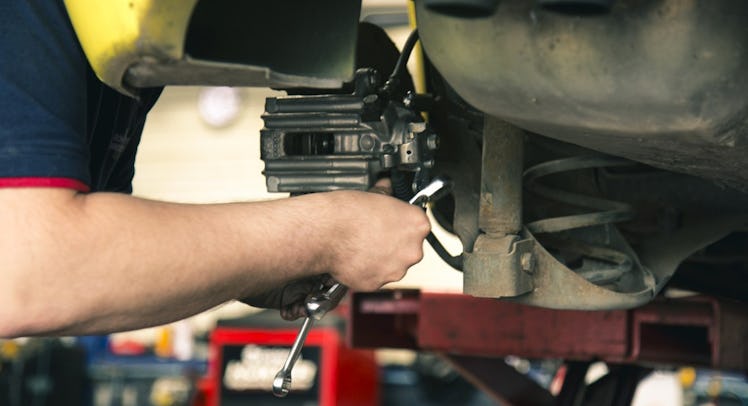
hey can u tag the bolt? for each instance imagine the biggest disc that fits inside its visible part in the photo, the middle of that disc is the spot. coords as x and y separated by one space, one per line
366 142
527 261
428 164
432 142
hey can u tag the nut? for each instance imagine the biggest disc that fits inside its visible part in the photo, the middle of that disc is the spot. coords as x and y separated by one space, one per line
527 261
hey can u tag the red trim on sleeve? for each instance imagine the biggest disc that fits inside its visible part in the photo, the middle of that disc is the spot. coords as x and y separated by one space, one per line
66 183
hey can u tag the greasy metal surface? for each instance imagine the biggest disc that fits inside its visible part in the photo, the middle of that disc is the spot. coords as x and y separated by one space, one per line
660 82
281 43
503 382
495 267
694 331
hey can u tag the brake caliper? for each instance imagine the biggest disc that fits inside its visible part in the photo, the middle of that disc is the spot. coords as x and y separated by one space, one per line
343 141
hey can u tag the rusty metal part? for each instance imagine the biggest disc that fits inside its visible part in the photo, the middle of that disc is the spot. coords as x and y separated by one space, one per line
607 273
499 267
606 211
494 267
559 287
692 331
599 264
656 260
501 179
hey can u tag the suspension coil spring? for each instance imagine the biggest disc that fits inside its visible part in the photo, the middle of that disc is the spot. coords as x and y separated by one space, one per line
611 263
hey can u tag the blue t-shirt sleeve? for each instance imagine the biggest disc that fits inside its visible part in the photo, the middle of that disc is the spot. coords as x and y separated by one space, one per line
42 93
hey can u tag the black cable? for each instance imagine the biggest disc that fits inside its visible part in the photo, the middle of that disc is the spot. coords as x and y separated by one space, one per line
453 261
392 86
400 186
402 61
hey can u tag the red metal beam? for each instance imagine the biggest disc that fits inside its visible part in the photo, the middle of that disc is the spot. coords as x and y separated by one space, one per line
467 325
695 331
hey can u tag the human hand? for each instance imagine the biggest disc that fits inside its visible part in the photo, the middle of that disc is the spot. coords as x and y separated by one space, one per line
291 298
376 239
362 252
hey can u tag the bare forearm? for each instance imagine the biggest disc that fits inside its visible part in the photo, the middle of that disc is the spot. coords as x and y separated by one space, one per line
104 262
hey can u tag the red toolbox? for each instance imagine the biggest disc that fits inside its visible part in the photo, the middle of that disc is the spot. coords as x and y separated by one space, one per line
245 355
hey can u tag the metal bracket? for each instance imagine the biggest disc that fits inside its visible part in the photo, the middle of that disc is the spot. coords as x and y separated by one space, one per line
499 267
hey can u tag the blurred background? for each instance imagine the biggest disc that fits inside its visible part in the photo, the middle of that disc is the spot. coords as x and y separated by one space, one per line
201 145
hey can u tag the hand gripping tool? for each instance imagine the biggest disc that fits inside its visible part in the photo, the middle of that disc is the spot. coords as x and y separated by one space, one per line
318 303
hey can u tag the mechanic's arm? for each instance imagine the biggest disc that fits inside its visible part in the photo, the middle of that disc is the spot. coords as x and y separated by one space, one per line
77 263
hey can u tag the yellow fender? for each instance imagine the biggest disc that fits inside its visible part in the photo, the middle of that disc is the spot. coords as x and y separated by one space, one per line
132 44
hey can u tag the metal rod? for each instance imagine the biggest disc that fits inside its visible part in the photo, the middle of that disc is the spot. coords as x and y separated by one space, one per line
500 210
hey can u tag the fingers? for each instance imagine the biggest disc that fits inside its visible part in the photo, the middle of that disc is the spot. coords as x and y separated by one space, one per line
382 186
380 246
295 295
293 311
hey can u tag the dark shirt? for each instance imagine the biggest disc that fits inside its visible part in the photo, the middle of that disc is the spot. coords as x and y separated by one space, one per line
59 125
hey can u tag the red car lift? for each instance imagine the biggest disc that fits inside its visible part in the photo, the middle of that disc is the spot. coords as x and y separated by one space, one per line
473 332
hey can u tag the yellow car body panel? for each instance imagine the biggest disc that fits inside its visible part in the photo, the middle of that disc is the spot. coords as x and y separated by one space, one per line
115 34
133 44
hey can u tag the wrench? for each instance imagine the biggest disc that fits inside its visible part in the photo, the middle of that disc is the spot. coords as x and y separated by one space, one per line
316 306
320 302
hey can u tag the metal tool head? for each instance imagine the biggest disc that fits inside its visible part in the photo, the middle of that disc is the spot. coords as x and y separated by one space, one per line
282 384
433 191
319 303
